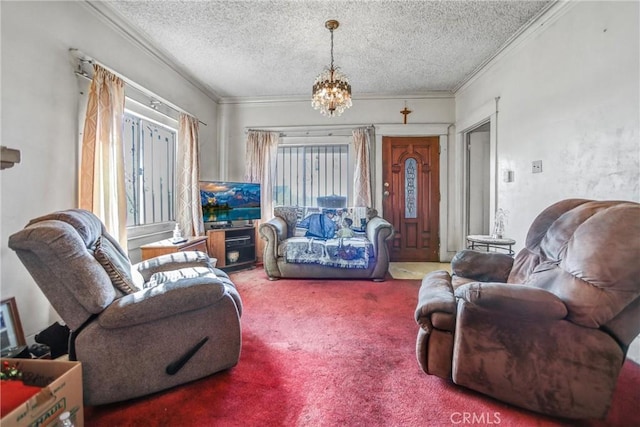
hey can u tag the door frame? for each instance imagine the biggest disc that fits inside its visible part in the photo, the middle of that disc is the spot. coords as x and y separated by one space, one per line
437 129
488 113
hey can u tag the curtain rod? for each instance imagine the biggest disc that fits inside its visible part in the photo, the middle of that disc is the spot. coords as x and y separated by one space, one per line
81 57
86 77
325 130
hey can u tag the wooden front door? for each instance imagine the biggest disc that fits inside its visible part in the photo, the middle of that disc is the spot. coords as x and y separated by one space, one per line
411 199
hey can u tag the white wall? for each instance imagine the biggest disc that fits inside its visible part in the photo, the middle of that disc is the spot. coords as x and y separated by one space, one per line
40 118
236 117
569 96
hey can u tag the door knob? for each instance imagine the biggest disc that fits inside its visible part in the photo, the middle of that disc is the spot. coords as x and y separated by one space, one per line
386 193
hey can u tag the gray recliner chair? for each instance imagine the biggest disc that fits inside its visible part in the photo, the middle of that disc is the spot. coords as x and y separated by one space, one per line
547 331
136 329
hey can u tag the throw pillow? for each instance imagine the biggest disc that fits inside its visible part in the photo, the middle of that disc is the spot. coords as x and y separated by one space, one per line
371 213
117 265
290 216
319 225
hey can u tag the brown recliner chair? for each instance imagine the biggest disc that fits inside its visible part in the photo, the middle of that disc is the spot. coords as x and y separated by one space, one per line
547 331
135 329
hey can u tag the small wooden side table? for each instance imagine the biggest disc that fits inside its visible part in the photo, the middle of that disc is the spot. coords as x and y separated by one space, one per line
488 243
151 250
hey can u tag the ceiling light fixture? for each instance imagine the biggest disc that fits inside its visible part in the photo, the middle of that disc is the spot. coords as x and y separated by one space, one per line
331 90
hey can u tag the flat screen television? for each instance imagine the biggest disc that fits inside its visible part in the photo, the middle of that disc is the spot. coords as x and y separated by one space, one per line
224 202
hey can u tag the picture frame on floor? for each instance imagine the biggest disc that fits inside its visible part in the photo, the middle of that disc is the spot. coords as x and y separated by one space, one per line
11 332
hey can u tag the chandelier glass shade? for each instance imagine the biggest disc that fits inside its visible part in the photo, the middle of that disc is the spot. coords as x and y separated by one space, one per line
331 90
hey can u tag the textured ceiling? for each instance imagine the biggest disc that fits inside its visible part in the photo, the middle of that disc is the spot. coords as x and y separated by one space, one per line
266 48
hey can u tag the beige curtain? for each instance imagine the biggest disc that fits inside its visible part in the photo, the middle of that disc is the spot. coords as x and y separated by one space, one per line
101 182
261 153
189 208
362 170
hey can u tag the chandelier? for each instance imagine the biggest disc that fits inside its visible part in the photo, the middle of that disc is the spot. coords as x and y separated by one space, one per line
331 90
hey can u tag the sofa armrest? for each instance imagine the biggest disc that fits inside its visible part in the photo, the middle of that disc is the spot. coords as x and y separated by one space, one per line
482 266
173 261
520 301
274 231
378 231
162 301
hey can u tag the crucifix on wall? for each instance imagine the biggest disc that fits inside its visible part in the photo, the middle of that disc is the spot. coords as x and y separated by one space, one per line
405 112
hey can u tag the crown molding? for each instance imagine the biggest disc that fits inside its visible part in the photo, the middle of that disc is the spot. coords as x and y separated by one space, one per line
538 23
116 21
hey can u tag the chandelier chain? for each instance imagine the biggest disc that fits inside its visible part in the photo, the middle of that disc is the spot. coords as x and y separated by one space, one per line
331 49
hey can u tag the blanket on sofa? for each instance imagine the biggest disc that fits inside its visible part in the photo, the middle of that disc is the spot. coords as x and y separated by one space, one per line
344 253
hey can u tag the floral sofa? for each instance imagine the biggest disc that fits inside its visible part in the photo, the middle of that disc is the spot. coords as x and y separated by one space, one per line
312 242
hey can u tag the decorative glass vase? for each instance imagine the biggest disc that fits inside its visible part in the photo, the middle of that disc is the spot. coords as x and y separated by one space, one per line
499 223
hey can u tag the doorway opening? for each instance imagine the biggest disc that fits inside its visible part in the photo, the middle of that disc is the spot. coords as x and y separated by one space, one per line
478 193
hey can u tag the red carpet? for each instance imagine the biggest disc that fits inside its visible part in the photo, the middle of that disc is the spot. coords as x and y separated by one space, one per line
334 353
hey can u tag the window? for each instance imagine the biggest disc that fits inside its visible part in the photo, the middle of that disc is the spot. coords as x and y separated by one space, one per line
150 154
307 174
150 168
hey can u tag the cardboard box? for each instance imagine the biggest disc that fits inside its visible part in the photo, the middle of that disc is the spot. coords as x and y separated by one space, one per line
61 383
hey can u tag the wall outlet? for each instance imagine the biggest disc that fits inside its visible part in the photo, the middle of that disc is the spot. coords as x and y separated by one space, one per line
536 166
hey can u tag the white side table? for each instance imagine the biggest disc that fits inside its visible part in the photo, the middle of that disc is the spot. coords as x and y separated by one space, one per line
489 243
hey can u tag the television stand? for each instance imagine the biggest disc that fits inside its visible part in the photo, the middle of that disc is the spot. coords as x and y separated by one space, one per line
234 247
218 225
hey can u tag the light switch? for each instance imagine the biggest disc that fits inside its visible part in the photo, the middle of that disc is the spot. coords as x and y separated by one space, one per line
536 166
507 175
